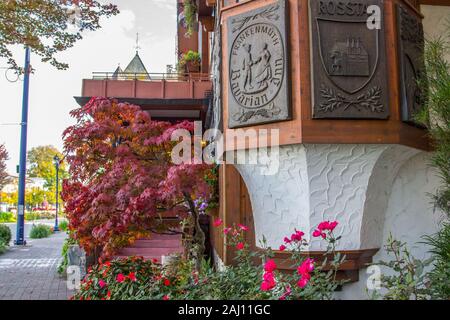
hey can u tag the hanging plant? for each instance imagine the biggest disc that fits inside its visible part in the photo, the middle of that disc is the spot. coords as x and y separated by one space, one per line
189 62
190 16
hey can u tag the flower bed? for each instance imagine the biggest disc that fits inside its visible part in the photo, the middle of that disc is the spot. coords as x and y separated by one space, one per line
136 278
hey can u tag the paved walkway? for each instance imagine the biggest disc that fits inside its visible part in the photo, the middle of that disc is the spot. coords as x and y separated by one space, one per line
30 272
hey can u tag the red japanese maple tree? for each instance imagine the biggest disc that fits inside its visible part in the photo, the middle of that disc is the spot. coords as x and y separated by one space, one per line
122 178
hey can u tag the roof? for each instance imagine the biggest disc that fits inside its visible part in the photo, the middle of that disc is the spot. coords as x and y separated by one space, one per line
117 73
137 66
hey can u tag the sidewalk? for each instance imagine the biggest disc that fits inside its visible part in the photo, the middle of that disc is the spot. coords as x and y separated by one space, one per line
31 272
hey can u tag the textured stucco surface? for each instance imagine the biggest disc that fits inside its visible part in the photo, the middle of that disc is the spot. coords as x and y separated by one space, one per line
372 190
409 216
325 182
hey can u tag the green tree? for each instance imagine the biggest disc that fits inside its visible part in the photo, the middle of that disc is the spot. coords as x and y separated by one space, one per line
48 26
40 165
34 197
3 174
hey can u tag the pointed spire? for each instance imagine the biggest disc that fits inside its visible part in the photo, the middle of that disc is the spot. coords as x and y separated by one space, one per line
117 73
137 42
136 68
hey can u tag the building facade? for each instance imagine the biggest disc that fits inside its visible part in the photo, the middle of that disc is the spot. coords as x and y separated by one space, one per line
333 84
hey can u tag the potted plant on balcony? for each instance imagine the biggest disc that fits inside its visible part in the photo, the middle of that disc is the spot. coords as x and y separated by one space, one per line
189 62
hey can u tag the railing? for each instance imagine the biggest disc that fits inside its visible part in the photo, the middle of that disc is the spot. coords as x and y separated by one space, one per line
151 76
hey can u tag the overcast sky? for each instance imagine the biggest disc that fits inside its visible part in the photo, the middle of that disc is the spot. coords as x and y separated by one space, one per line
52 91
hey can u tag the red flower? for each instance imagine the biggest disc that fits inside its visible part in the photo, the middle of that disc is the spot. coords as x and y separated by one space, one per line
297 236
132 276
108 294
318 233
166 297
282 247
287 240
120 278
107 263
303 282
270 266
242 227
226 230
268 281
166 282
101 283
154 260
306 267
240 246
217 222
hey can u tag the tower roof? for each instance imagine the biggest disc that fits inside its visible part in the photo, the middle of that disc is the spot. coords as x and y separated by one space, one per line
117 73
137 66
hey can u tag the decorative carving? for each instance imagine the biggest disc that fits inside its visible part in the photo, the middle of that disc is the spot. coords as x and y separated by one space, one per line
269 13
349 68
411 46
369 100
258 85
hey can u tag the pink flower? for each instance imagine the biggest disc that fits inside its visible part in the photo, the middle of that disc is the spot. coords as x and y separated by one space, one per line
217 222
324 225
226 230
101 283
297 236
166 297
268 281
270 266
240 246
282 247
306 267
303 282
242 227
287 240
318 233
333 225
120 278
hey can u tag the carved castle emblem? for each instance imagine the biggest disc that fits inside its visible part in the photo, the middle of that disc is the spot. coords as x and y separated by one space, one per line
348 58
257 67
348 61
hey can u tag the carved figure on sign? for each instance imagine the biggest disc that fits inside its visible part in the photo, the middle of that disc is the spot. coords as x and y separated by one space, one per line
247 64
264 70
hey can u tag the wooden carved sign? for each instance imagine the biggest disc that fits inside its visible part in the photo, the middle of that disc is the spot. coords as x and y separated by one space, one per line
411 46
348 60
258 86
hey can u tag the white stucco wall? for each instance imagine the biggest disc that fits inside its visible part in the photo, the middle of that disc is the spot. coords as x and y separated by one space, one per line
370 189
409 216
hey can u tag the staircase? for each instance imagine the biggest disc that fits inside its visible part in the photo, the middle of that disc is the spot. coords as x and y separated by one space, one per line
155 247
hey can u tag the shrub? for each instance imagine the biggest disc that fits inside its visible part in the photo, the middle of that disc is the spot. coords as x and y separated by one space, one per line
3 247
64 253
135 278
407 279
119 279
5 234
40 231
6 217
63 225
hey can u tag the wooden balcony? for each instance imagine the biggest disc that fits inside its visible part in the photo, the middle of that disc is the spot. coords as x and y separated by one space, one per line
165 96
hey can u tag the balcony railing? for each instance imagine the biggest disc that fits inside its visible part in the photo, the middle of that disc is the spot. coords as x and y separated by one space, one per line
151 76
147 85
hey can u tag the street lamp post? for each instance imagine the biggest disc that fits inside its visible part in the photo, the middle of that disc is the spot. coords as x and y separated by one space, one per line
20 234
56 161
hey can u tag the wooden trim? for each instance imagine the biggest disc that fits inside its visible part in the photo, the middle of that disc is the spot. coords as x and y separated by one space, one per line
348 270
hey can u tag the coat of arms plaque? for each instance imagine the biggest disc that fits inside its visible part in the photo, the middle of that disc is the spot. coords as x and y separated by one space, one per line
348 60
258 86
